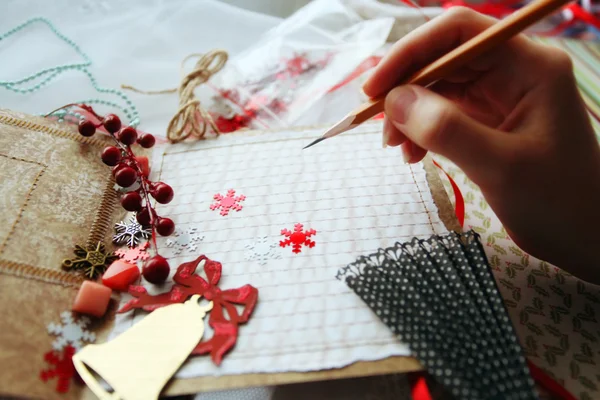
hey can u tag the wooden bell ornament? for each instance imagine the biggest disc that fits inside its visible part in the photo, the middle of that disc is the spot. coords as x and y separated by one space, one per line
139 362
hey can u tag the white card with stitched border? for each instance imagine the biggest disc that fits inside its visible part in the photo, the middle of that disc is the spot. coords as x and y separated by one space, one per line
346 197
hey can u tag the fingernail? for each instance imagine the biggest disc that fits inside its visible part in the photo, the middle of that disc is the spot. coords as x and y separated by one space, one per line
407 154
386 133
402 99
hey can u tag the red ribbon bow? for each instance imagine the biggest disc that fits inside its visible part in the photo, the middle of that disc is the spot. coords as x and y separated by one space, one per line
187 283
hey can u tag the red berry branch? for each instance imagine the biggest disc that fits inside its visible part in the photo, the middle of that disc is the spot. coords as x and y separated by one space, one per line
127 170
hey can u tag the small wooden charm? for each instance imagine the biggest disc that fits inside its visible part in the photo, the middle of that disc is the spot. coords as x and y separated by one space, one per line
91 260
139 363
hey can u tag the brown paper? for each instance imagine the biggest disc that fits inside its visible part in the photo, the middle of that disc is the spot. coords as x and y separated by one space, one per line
55 192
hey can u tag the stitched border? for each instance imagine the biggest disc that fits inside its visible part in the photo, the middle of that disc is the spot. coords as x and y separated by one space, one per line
32 187
103 216
40 274
100 225
421 197
33 126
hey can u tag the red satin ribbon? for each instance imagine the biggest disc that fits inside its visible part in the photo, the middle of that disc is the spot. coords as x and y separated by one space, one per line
459 203
548 383
363 67
497 10
419 389
579 13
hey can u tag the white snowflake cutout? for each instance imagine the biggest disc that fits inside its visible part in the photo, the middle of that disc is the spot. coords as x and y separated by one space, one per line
262 250
185 241
71 332
131 232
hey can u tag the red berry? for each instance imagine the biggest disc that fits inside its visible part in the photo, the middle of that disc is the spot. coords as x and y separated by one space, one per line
111 123
125 176
143 217
146 140
118 167
156 269
131 201
162 192
111 156
165 226
86 128
127 135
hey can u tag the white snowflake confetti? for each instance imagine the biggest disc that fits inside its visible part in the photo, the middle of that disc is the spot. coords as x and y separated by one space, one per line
262 250
70 332
130 233
185 241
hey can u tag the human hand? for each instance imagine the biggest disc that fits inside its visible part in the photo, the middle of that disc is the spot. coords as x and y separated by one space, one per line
514 122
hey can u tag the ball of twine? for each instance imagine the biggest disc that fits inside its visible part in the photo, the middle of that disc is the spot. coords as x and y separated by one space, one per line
191 119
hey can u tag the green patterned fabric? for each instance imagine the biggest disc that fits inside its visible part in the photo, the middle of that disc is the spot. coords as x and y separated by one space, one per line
586 62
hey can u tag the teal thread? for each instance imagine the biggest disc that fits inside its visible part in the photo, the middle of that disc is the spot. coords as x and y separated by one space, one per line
44 77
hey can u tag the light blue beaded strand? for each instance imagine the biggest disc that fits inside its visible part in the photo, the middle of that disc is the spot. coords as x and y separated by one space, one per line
47 75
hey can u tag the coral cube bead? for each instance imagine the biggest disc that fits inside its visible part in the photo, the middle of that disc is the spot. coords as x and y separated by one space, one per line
92 299
120 275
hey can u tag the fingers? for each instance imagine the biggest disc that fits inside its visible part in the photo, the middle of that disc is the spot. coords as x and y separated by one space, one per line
391 135
434 123
432 40
411 153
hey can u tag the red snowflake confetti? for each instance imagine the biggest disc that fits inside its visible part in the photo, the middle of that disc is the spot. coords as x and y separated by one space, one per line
224 318
228 202
226 125
131 255
63 368
297 238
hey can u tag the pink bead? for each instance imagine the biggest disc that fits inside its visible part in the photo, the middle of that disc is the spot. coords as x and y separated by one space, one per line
144 165
92 299
120 275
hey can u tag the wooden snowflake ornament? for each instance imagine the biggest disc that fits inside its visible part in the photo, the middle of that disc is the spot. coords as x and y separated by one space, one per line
93 261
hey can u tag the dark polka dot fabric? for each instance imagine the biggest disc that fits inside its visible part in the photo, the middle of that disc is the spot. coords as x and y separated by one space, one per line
440 297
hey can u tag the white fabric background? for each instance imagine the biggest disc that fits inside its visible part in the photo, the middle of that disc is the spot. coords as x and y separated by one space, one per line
141 43
137 42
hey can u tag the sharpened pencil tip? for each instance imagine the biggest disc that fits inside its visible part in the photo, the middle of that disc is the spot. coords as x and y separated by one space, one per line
314 142
338 128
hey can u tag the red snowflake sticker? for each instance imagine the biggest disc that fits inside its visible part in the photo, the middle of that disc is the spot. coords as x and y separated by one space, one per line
228 202
297 238
62 368
131 255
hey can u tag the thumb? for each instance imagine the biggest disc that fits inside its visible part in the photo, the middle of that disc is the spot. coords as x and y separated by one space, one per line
438 125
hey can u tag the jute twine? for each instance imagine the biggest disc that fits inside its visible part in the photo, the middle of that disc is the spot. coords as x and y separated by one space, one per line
191 118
